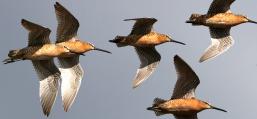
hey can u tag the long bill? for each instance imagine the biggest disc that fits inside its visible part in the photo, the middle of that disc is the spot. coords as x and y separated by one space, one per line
251 21
102 50
216 108
177 42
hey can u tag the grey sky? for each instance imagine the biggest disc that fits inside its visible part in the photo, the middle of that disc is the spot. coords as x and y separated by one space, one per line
229 81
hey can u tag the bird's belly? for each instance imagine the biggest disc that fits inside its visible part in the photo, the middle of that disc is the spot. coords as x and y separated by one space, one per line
147 42
43 53
223 21
181 107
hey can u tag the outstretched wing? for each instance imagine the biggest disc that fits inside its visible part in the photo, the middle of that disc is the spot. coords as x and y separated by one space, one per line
142 26
220 6
38 35
187 80
72 74
67 24
221 41
49 76
149 58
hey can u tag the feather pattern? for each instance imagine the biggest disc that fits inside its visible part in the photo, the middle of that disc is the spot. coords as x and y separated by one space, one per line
221 41
72 74
220 6
149 58
67 24
142 26
38 35
187 80
49 76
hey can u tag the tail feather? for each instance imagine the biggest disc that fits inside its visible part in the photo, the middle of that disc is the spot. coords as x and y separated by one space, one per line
14 56
155 107
158 101
118 40
13 53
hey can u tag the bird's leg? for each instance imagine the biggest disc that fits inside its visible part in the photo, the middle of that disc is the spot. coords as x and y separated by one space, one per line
71 51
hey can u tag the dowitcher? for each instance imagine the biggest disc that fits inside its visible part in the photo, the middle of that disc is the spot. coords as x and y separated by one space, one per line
183 103
219 19
41 53
144 39
71 70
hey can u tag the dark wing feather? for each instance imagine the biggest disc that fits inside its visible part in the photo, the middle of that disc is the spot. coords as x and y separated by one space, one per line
220 6
49 76
67 24
149 58
187 80
142 26
38 35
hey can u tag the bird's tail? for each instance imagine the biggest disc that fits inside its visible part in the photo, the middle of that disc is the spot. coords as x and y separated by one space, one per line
14 55
119 41
155 107
194 19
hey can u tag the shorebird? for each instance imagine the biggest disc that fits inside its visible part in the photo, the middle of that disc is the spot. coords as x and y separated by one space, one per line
183 103
41 52
144 39
71 70
219 19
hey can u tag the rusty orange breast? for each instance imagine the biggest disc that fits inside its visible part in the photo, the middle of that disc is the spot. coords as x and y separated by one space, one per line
183 106
224 20
77 46
149 40
43 52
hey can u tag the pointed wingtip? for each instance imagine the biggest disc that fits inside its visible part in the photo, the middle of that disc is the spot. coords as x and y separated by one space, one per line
177 57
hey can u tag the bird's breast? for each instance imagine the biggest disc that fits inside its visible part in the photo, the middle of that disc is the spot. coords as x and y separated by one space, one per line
47 51
182 106
148 40
224 20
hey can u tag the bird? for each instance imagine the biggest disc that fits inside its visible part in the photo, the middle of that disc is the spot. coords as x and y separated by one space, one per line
70 68
219 19
183 103
144 40
41 53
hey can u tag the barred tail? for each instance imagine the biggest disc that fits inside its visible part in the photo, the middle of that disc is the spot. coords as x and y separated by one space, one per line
118 40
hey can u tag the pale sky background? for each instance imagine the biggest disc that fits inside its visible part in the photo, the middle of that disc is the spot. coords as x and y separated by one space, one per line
229 81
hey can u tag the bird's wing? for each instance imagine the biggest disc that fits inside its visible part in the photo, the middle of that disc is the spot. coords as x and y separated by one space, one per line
187 80
142 26
49 76
194 116
220 6
221 41
72 74
149 59
38 35
67 24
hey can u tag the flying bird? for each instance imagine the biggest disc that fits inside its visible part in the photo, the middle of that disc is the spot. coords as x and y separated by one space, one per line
183 103
219 19
71 70
144 40
41 52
